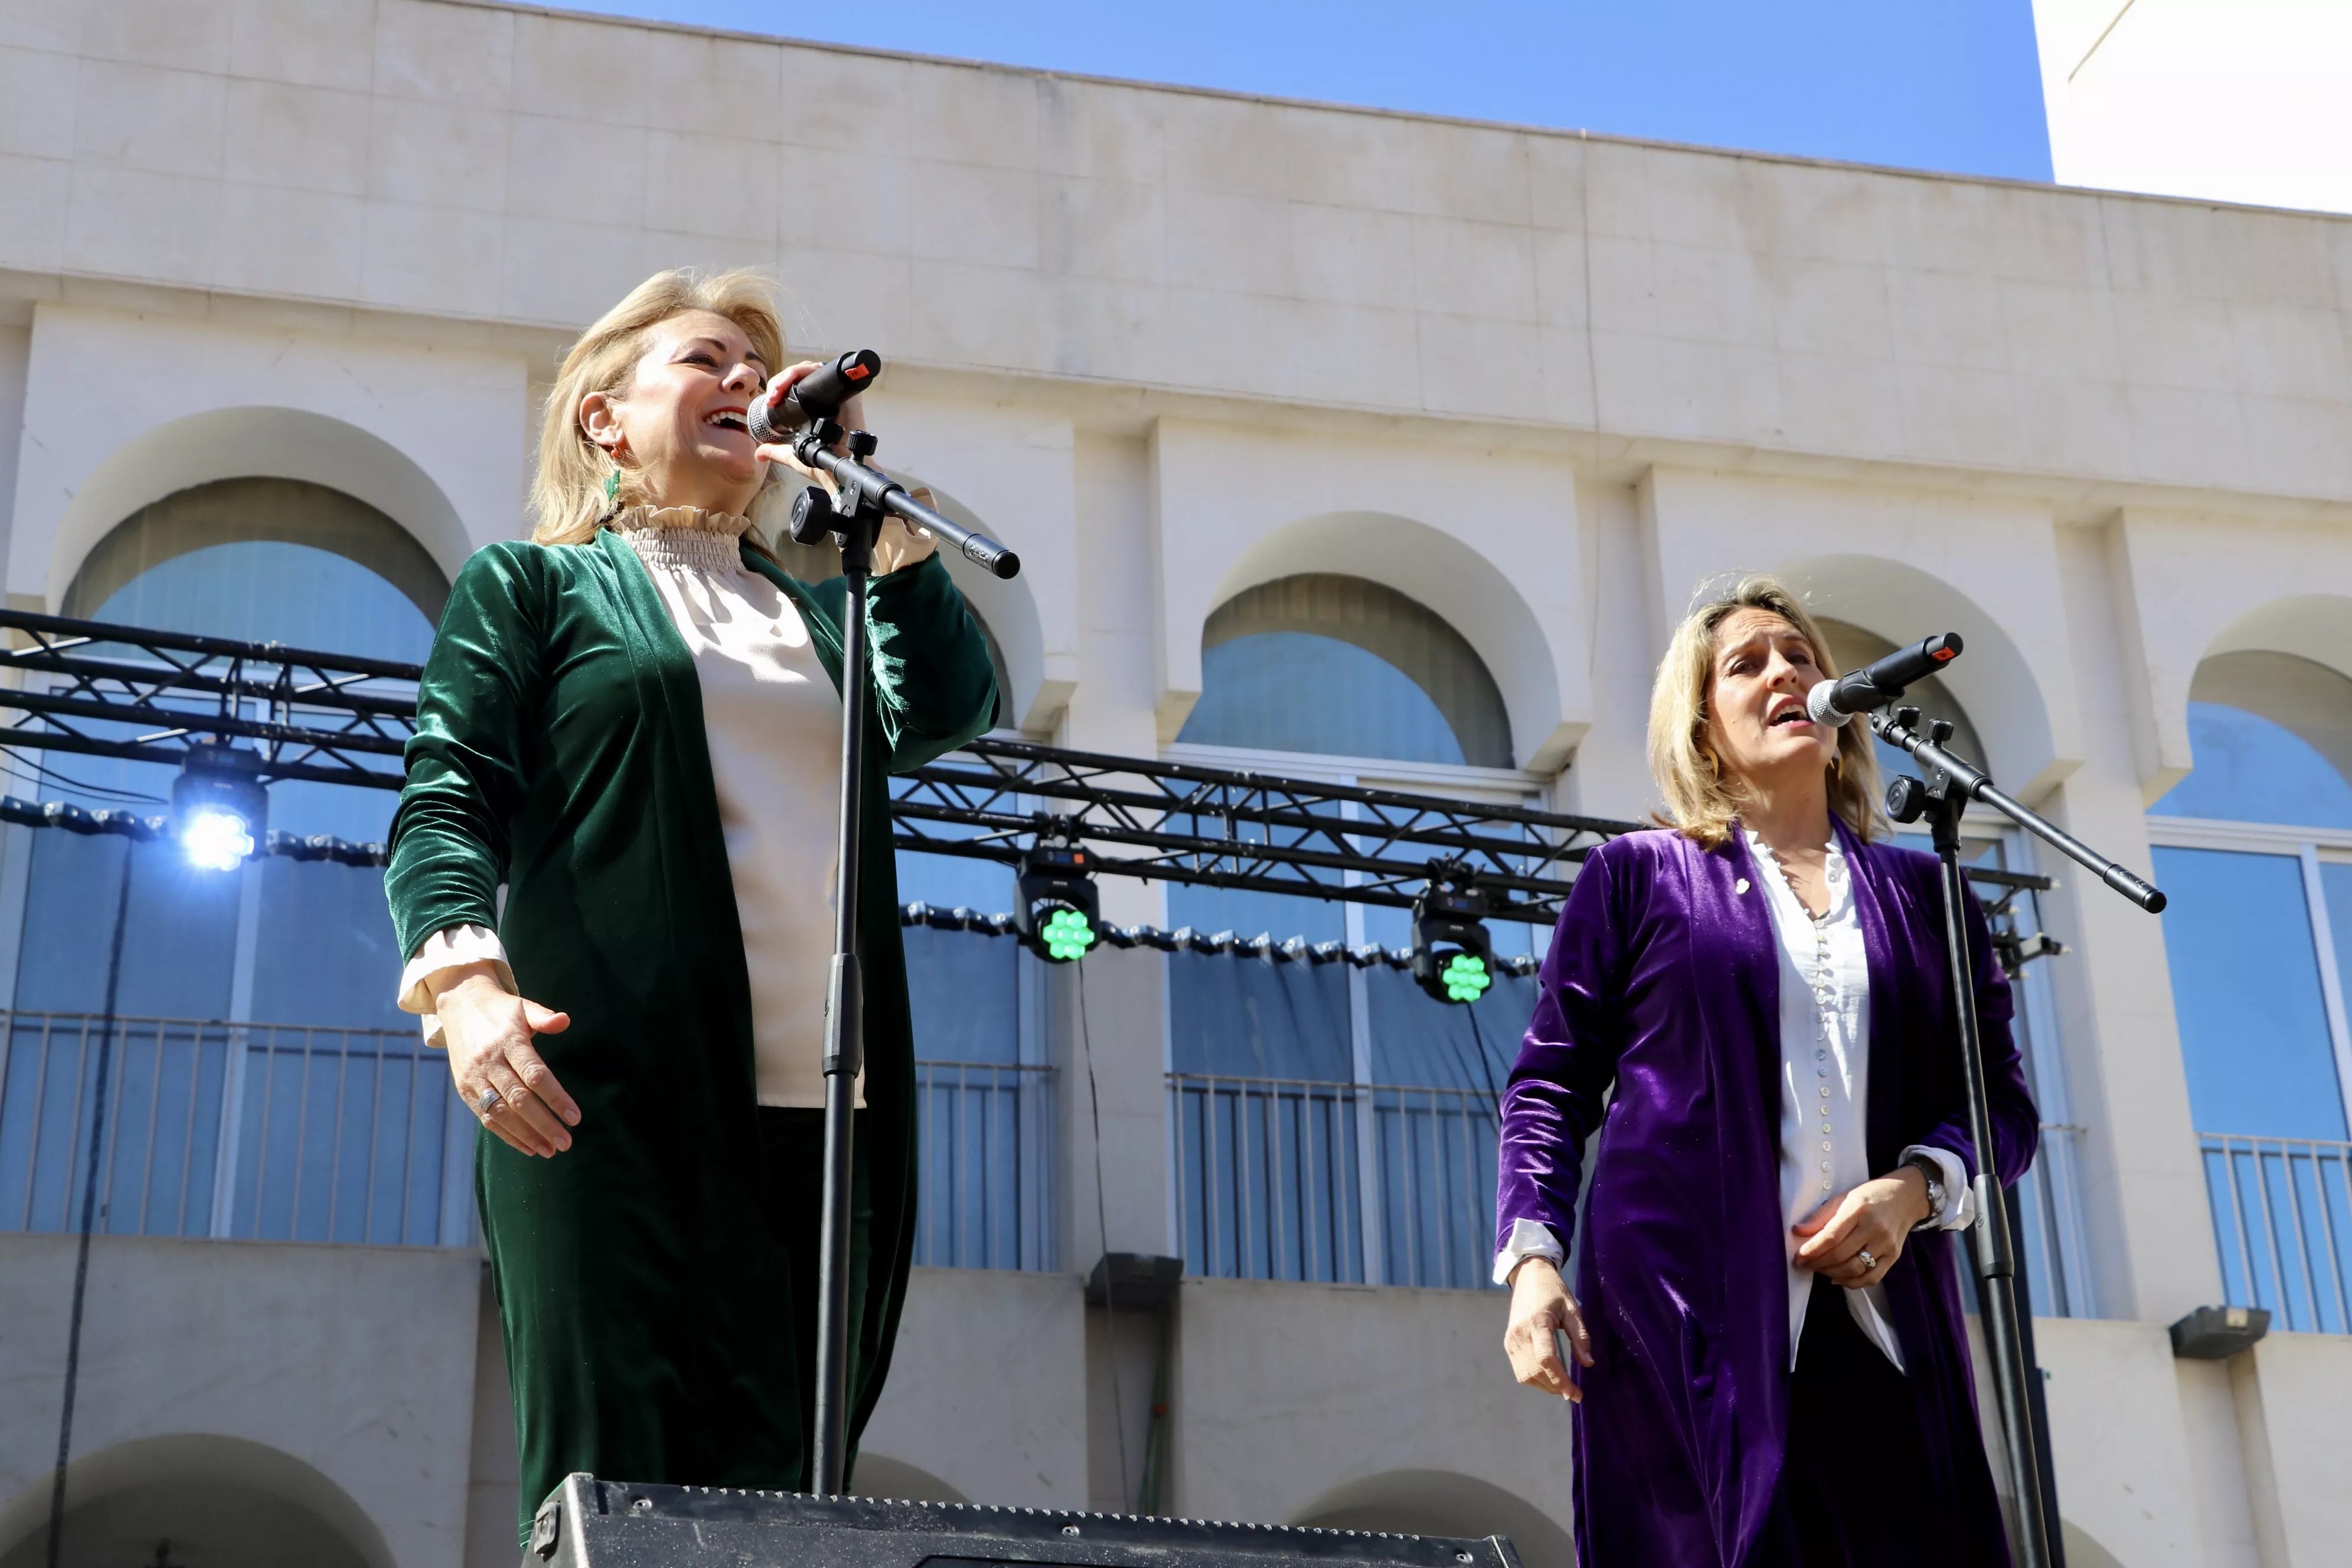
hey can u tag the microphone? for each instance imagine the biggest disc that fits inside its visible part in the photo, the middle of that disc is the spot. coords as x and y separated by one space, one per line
819 394
1874 685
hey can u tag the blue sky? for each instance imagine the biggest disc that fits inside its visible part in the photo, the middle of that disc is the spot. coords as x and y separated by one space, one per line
1932 84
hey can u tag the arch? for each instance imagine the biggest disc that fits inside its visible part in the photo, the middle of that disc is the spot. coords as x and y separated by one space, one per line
1992 680
288 512
880 1476
1440 1503
2082 1549
253 442
250 1503
1394 628
1454 581
2240 668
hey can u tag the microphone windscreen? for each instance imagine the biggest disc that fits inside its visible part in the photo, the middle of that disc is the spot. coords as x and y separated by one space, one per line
1818 708
763 430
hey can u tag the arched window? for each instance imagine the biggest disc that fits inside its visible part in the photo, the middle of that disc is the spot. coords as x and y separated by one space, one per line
268 1084
1344 667
2253 849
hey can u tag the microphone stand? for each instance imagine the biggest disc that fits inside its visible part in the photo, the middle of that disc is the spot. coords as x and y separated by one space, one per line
1943 792
854 518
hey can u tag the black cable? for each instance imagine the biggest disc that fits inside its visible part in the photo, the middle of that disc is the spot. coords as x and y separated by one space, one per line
50 776
89 1210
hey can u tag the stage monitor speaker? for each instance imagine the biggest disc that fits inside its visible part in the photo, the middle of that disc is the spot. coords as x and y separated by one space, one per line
593 1524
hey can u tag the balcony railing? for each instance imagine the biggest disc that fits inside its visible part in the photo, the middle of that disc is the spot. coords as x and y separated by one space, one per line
2283 1220
1270 1181
266 1130
282 1132
986 1198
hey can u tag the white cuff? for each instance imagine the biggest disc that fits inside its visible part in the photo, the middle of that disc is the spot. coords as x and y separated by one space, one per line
1960 1210
451 948
1528 1238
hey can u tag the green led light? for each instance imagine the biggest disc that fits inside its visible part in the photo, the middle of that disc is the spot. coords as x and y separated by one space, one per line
1465 978
1067 935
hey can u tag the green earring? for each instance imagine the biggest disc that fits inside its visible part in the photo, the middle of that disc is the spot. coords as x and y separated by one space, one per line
613 486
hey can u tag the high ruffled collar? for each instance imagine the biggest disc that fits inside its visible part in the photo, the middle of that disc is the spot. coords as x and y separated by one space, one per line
684 536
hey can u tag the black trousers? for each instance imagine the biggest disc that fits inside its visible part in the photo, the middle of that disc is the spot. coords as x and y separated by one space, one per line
1855 1491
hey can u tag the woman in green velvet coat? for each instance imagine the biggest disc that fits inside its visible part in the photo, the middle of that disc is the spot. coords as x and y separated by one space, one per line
631 724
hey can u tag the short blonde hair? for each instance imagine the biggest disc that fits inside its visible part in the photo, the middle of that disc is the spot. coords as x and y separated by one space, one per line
568 499
1701 800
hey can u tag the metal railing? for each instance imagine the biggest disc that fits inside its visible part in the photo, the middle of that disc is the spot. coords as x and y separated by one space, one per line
284 1132
1309 1180
2283 1220
262 1131
986 1189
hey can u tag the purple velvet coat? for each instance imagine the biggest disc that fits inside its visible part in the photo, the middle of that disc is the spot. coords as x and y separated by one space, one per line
1663 982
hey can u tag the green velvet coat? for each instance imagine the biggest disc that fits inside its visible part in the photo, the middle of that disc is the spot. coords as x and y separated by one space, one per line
645 1279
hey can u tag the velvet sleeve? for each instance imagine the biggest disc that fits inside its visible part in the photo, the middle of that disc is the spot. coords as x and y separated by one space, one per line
2016 1124
934 685
1569 1058
466 769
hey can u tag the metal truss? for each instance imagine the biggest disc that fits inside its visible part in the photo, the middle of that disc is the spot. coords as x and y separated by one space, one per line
130 692
127 691
1254 832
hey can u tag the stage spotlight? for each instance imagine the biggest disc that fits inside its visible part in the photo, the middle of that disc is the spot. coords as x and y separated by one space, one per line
219 806
1057 910
1452 957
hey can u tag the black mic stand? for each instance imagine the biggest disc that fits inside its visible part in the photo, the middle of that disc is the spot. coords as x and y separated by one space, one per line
854 518
1943 792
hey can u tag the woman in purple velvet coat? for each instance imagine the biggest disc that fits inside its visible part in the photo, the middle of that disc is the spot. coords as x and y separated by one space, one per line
1752 1010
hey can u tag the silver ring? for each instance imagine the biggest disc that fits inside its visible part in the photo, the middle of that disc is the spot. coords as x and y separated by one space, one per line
1868 1262
488 1101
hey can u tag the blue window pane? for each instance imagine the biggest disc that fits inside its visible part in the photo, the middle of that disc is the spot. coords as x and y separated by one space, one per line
1294 691
2336 887
1246 914
1237 1017
264 591
2245 991
2252 770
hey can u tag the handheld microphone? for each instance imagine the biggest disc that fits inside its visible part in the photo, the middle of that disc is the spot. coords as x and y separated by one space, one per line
819 394
1836 701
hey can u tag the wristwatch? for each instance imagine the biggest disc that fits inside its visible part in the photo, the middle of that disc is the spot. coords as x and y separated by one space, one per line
1935 1176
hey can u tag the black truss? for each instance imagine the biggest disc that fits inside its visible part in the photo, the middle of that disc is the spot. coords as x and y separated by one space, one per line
326 717
129 691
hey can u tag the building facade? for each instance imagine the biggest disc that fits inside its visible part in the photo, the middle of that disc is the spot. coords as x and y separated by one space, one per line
1347 445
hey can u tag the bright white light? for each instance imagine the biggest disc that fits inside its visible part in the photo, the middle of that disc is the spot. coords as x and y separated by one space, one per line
216 840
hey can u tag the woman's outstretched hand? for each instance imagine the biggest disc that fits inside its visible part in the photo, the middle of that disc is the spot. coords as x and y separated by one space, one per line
898 544
1539 1305
488 1031
1876 1217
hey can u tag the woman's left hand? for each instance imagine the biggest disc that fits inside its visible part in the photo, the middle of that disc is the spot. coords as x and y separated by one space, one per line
896 544
1874 1218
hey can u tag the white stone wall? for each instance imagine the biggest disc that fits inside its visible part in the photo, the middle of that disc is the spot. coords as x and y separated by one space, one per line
1170 344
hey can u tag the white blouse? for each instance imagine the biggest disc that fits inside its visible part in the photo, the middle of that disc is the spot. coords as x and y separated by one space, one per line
773 724
1824 1089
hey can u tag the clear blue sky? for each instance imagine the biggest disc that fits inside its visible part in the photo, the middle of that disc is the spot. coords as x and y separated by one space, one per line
1932 84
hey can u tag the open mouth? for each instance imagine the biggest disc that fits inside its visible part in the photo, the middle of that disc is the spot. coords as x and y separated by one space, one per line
729 419
1792 715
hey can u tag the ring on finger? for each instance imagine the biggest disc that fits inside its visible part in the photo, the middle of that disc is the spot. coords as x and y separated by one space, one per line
488 1102
1868 1261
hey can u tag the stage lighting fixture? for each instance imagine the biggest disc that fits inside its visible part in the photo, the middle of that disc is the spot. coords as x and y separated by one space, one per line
219 806
1057 911
1452 957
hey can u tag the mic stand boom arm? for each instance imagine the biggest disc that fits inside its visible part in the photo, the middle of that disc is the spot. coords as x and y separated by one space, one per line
1942 794
863 485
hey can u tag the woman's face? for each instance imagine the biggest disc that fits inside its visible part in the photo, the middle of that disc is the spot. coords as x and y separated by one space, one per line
1756 700
681 419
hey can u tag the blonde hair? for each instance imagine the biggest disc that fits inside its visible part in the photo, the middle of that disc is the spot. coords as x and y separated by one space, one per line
568 498
1701 799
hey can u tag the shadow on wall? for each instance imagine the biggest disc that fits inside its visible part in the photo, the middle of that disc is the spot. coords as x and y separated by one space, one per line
1436 1502
220 1502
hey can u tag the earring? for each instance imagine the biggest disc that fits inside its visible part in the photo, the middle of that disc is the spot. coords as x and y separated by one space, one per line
613 485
